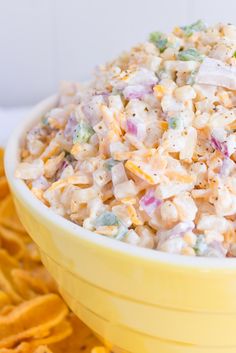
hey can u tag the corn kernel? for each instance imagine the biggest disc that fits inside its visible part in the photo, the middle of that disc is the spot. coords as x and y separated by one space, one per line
159 91
188 251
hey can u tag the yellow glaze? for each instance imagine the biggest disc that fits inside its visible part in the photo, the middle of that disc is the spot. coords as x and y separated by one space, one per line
136 300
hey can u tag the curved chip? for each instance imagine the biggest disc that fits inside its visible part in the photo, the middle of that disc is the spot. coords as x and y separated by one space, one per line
4 299
42 323
1 162
26 348
7 261
57 334
31 319
12 242
99 349
41 349
7 287
8 216
32 252
28 283
4 189
81 340
7 309
7 264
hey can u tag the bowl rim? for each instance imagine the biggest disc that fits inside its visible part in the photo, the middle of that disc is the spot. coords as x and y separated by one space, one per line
23 192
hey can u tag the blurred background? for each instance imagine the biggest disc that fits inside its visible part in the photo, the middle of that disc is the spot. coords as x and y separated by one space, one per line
44 41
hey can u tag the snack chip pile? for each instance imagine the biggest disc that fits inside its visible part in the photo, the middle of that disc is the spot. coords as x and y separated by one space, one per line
146 152
33 317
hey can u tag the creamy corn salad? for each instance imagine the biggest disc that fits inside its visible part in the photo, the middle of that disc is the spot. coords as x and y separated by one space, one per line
145 153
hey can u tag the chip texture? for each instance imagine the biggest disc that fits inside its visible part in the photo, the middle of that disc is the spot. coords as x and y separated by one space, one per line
33 317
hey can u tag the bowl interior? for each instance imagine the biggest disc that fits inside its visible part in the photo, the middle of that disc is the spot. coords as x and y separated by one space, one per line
19 188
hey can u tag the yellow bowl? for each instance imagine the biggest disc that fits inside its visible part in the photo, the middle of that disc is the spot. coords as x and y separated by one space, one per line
136 300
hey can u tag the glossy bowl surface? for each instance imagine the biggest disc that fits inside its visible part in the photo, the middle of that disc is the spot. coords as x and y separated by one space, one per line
136 300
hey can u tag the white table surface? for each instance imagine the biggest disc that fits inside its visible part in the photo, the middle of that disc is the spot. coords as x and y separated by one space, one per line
9 118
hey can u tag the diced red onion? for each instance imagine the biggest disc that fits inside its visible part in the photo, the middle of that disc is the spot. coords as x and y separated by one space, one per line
132 127
137 91
227 166
217 73
64 165
220 146
178 231
70 126
181 228
137 128
149 202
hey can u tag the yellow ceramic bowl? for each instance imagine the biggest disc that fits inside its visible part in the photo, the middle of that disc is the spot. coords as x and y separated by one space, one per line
136 300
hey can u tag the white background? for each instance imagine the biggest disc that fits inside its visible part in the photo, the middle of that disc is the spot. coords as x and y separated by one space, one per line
43 41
